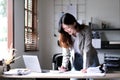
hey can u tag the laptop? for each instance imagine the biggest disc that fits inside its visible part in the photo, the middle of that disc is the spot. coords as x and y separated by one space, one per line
32 63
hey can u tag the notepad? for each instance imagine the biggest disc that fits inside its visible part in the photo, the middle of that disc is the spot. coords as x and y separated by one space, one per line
17 71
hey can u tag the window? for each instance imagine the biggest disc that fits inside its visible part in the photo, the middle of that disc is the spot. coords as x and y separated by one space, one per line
6 27
31 35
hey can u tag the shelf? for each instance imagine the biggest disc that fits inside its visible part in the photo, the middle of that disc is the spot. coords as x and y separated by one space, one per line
117 29
107 45
106 49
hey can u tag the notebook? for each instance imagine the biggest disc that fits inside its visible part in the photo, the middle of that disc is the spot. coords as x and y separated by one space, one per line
32 63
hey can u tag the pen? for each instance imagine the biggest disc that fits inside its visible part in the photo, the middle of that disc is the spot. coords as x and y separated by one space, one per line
16 58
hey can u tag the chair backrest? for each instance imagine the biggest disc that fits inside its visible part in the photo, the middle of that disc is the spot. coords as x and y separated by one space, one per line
57 61
1 63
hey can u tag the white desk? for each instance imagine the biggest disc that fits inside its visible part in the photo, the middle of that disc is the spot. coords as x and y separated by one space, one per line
65 75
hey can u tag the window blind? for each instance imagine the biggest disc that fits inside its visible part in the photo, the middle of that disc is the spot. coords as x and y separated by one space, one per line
31 37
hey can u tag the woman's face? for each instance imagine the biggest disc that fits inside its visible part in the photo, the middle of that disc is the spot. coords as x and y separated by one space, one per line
69 29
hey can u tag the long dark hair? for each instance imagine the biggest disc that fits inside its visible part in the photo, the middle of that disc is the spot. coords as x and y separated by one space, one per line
68 19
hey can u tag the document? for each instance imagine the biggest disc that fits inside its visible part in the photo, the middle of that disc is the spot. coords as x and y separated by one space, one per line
85 74
18 71
91 71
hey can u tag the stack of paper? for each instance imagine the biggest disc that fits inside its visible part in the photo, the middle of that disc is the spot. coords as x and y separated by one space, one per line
19 71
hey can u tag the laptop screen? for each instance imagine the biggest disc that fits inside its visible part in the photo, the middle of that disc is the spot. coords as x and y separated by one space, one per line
32 63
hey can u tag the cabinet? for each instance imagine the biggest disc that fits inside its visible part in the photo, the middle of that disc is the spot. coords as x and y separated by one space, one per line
108 44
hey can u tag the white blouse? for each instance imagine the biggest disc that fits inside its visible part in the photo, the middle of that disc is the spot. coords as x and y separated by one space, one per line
69 54
76 43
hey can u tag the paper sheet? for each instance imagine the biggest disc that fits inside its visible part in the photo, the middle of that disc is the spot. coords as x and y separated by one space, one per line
19 71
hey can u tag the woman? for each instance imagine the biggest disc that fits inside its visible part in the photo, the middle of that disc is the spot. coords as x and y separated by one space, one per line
76 42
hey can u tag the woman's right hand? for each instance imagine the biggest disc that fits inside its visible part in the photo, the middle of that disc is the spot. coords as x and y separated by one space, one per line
83 70
62 69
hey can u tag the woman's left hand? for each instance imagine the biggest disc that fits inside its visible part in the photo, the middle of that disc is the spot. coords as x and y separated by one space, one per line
83 70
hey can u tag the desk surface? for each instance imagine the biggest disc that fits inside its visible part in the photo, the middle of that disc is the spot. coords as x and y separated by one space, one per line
66 75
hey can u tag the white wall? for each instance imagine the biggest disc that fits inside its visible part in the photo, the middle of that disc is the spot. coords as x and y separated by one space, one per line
104 10
47 41
19 33
48 44
109 11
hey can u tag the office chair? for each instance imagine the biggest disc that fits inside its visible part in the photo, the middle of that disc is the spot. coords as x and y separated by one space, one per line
57 61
